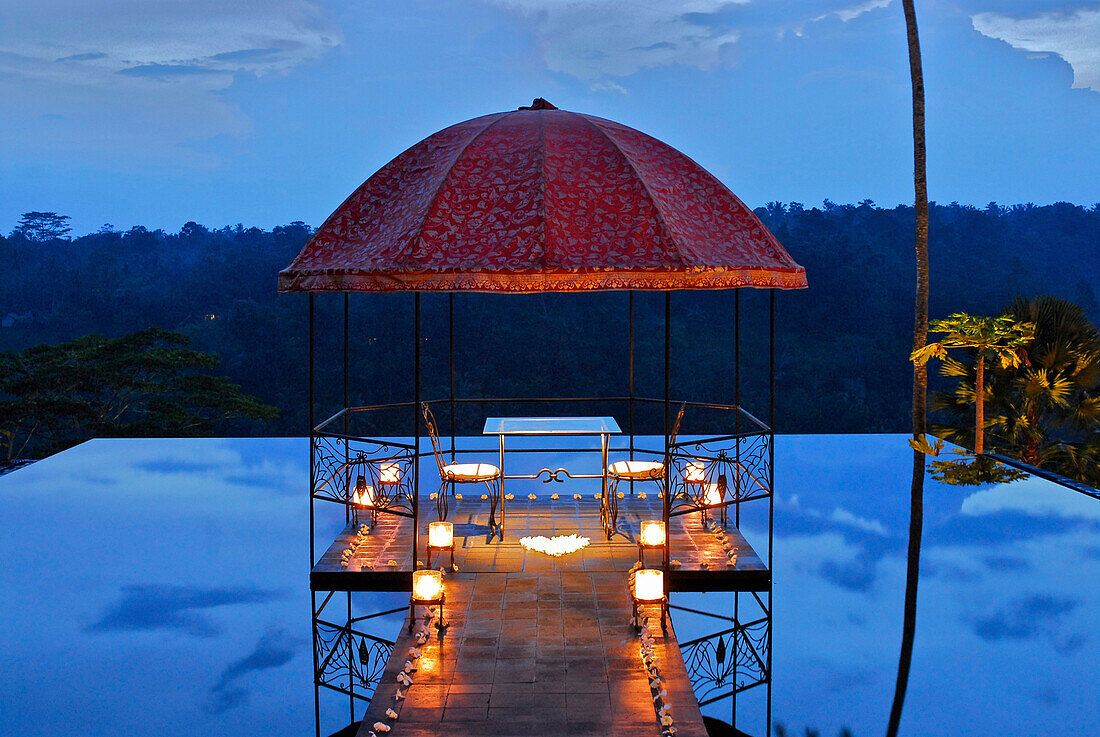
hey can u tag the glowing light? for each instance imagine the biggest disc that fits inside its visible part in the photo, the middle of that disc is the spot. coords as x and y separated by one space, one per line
427 585
441 534
695 472
653 533
363 495
713 496
389 473
649 585
556 546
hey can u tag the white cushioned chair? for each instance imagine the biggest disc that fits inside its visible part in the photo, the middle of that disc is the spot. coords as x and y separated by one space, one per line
463 473
633 471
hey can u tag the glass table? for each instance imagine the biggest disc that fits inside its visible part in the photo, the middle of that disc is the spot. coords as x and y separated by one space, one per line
553 426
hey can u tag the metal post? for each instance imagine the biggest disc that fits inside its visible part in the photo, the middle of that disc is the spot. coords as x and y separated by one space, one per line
630 311
351 667
737 486
416 425
347 518
451 338
737 401
771 483
737 353
312 424
316 686
733 694
668 398
668 363
347 454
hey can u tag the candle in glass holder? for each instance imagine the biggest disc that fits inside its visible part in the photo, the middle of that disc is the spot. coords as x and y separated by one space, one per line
653 533
713 495
363 494
695 472
649 584
389 472
440 534
427 585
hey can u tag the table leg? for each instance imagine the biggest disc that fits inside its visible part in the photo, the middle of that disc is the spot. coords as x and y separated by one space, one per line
605 440
501 465
501 488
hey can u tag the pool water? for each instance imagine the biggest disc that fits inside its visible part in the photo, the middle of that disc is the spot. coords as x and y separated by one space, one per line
160 586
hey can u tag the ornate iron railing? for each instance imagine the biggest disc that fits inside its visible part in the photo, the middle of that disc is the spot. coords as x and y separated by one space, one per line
728 662
387 467
715 472
350 662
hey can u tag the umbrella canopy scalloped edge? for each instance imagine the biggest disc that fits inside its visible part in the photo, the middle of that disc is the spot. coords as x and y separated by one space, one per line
541 200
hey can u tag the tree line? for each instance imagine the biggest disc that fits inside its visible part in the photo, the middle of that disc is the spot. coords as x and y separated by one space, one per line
843 344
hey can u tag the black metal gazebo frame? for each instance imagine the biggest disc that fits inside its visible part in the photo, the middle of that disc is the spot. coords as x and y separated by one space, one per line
338 456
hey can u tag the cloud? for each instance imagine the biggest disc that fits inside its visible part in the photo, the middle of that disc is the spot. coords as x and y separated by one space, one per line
177 465
145 77
854 11
607 87
273 650
1025 618
1006 563
92 56
1034 497
845 517
855 575
160 607
996 527
595 39
1072 35
845 14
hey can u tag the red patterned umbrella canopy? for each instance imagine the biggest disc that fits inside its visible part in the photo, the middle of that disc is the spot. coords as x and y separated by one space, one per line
536 200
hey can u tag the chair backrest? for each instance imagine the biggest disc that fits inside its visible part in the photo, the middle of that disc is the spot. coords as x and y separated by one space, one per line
676 425
429 421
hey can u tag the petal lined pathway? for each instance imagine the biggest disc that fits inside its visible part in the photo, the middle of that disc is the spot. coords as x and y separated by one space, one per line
551 653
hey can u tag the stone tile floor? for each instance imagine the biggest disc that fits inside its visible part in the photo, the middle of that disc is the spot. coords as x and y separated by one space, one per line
550 653
696 547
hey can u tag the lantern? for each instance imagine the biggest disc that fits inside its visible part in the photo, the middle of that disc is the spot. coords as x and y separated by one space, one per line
653 533
695 472
389 472
363 495
427 586
427 589
441 536
649 588
649 584
713 495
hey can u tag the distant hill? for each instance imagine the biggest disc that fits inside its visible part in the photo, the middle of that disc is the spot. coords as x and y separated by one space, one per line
843 343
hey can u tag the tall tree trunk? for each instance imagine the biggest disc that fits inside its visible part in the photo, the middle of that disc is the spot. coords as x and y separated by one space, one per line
979 406
920 371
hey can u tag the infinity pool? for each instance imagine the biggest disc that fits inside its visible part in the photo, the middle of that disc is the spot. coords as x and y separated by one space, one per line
160 587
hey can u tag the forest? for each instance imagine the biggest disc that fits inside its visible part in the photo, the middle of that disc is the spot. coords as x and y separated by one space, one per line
842 353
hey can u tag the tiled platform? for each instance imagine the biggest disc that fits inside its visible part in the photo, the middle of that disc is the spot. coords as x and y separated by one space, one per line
383 561
551 653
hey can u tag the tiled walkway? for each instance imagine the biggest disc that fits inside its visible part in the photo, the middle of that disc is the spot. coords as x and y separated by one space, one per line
551 653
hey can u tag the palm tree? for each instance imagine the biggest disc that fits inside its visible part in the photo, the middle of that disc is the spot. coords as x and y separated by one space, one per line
920 372
1048 412
1000 340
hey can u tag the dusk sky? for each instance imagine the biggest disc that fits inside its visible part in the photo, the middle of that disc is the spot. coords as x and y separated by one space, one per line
227 111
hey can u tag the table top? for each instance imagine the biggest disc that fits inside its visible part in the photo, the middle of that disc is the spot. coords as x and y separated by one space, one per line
550 426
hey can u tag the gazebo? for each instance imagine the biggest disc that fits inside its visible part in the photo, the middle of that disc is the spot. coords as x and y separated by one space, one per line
531 201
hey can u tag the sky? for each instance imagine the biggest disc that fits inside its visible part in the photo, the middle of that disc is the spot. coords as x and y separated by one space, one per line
234 111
